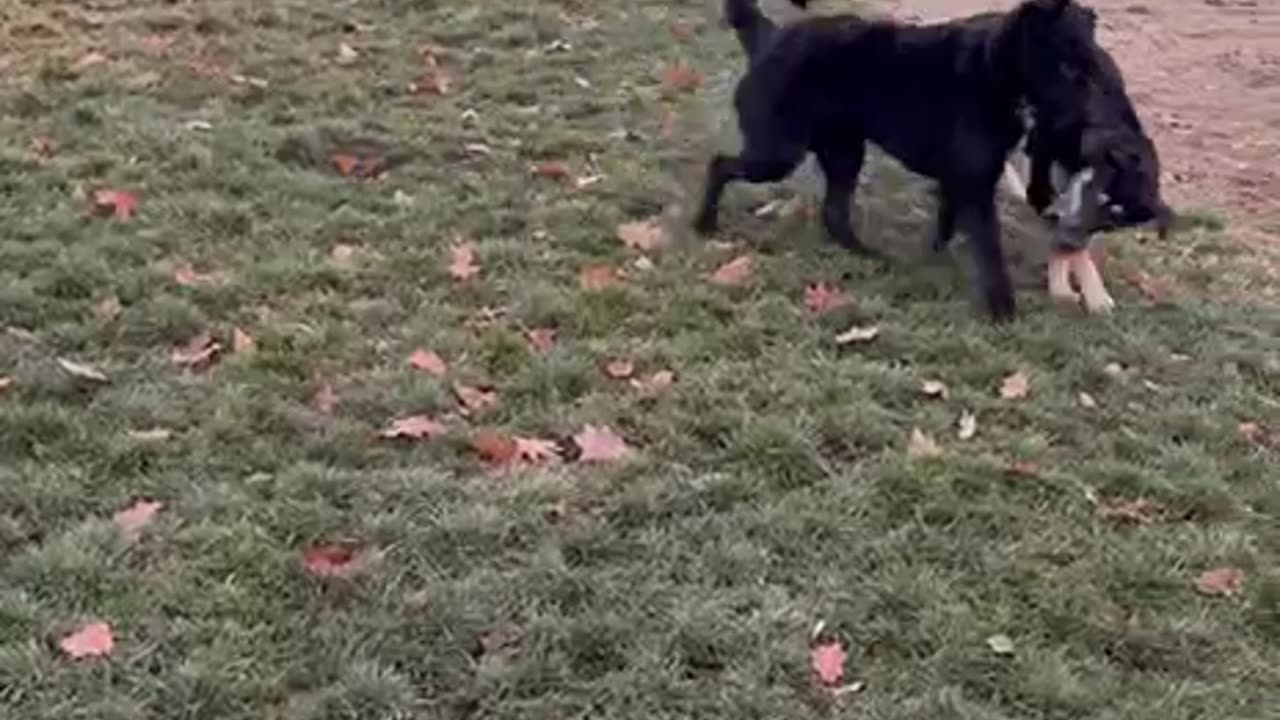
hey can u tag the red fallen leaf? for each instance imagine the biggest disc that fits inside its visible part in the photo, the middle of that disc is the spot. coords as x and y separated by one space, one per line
495 448
828 661
541 340
1220 582
198 353
552 170
325 400
242 343
341 561
1134 512
1015 387
462 261
654 384
475 399
92 640
679 30
734 273
413 427
361 166
619 368
599 443
598 277
345 164
43 146
681 78
822 297
120 203
137 516
428 362
1025 468
643 235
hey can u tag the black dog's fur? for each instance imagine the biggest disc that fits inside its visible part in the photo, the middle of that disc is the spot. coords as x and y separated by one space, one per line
943 99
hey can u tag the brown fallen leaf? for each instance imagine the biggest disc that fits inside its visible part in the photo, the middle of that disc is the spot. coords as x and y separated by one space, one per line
594 278
151 435
131 520
735 273
242 343
120 203
1015 386
858 334
338 561
967 426
325 400
619 368
1250 431
358 165
413 427
347 55
462 261
1133 512
600 443
541 340
475 399
655 384
1220 582
1025 468
552 170
534 450
644 235
824 297
92 640
429 362
198 354
1154 290
43 146
187 276
90 59
681 78
495 448
80 371
680 30
827 660
935 389
107 310
343 254
922 446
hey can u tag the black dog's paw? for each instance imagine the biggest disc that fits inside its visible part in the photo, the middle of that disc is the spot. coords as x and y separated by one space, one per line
1001 305
706 224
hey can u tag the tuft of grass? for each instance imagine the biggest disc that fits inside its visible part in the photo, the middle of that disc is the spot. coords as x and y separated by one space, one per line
771 487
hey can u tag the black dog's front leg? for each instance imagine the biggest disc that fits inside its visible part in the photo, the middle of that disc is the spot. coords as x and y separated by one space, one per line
841 163
720 172
977 216
756 164
945 229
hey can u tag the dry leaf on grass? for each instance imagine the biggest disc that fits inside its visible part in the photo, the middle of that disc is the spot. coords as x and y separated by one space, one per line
541 340
137 516
428 361
1025 468
5 383
242 343
92 640
922 445
362 166
967 426
599 443
1015 386
198 353
324 400
475 399
644 235
735 273
504 450
107 310
1154 290
81 371
654 384
681 78
414 427
594 278
1220 582
1133 512
827 660
552 170
90 59
619 368
824 297
186 275
462 261
122 204
43 146
858 334
343 254
338 561
935 389
347 55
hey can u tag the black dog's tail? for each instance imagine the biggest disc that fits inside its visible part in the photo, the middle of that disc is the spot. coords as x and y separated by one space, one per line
751 26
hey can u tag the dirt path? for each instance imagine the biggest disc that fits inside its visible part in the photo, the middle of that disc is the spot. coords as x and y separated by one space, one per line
1205 75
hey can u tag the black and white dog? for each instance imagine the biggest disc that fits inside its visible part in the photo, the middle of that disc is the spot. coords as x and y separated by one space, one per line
943 99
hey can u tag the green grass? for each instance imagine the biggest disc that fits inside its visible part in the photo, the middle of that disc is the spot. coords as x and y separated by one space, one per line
770 489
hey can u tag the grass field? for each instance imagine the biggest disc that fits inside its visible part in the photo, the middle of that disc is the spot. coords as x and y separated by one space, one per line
768 489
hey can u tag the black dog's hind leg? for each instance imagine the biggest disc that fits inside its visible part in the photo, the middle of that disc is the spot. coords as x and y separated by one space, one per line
945 229
1040 192
841 163
753 165
976 213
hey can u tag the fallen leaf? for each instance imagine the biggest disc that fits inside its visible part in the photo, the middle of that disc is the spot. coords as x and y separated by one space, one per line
88 60
681 78
242 343
1026 468
107 310
413 427
935 389
1220 582
734 273
967 426
541 340
552 170
428 362
680 30
619 368
151 435
824 297
184 274
1154 290
1133 512
1113 369
120 203
827 660
858 334
358 166
654 384
198 353
1086 401
669 124
436 81
43 146
462 261
157 44
325 400
338 561
495 448
92 640
533 450
922 445
598 277
5 383
343 254
475 399
81 371
599 443
1000 644
137 516
1015 387
347 55
644 235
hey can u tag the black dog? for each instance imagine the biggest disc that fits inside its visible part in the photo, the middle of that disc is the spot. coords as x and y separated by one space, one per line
943 99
